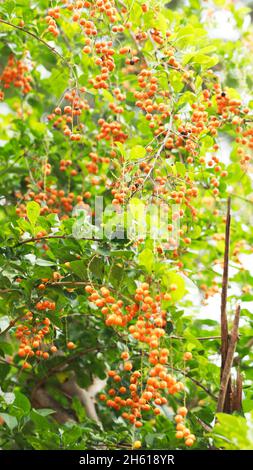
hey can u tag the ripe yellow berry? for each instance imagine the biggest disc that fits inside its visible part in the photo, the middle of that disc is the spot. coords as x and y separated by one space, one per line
137 445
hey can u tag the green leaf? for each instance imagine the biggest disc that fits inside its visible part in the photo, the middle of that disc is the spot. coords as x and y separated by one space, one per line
146 258
233 432
137 152
10 421
180 169
33 212
172 278
21 405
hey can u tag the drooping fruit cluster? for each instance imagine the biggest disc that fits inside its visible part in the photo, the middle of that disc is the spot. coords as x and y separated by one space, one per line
51 200
144 391
105 61
182 431
32 331
111 131
16 73
52 15
67 117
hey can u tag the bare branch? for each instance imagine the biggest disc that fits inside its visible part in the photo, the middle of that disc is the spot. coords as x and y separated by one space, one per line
229 361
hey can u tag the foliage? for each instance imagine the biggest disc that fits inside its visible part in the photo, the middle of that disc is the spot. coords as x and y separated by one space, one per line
233 432
142 105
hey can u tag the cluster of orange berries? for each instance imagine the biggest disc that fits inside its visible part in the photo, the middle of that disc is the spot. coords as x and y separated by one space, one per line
145 79
99 6
89 29
52 15
172 61
182 431
151 319
157 36
209 291
109 306
115 108
111 131
245 142
51 200
119 192
93 165
31 333
226 105
68 117
65 164
140 393
186 192
107 7
132 58
104 60
141 36
16 73
231 110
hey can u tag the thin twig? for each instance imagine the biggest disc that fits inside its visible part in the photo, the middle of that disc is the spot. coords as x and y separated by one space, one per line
11 324
196 382
201 338
139 50
63 237
205 426
26 31
67 360
156 156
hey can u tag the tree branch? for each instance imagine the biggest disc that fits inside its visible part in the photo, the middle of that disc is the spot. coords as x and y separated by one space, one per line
26 31
229 361
201 338
48 237
196 382
11 324
224 321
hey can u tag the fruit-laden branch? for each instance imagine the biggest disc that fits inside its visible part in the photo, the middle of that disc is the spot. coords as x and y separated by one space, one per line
229 361
196 382
26 31
138 48
156 156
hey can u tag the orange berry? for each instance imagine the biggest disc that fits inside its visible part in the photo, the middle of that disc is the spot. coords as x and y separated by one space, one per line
124 355
182 411
189 442
128 366
178 418
187 356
